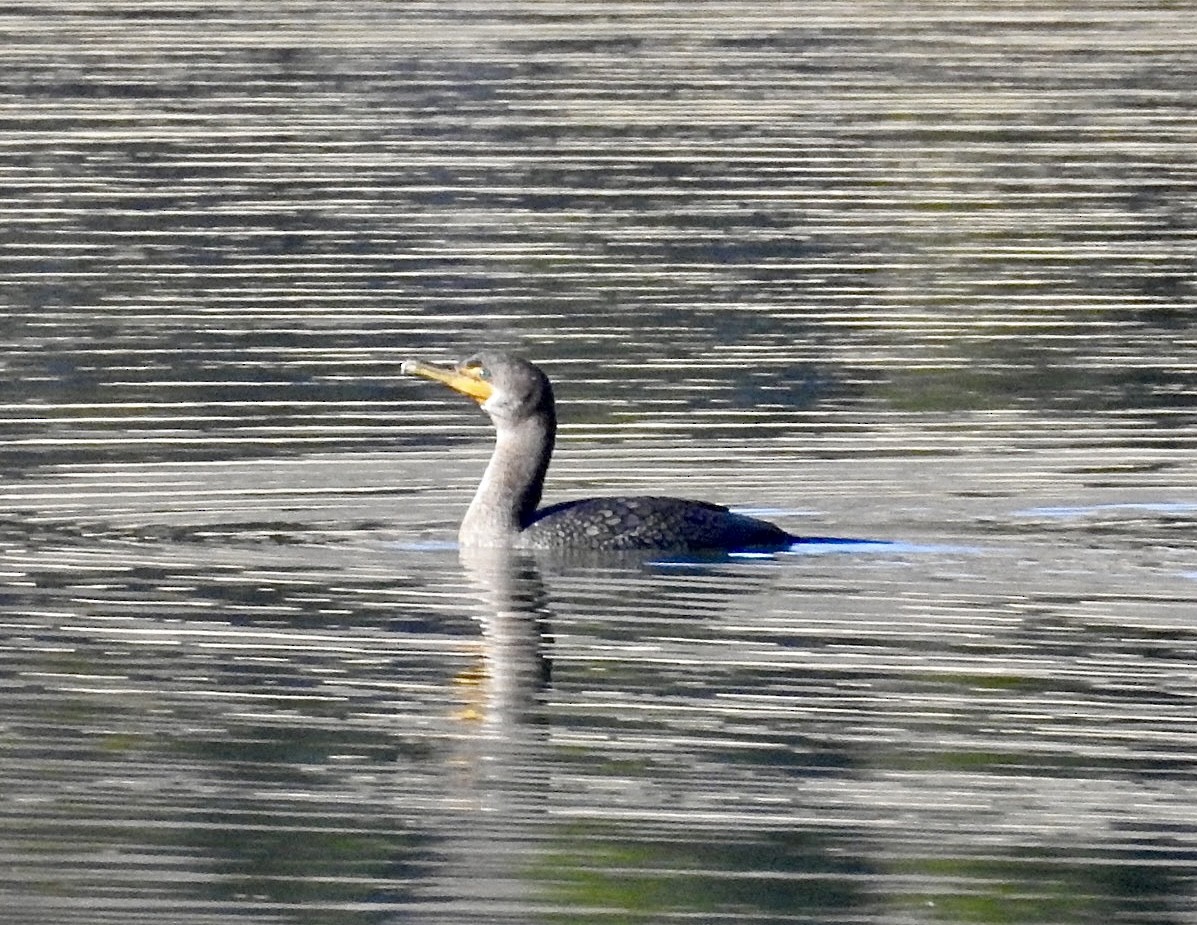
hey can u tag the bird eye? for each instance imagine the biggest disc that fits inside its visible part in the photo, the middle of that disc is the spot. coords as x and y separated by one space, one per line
475 367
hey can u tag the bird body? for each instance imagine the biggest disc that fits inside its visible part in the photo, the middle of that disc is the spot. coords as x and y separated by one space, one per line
648 522
505 510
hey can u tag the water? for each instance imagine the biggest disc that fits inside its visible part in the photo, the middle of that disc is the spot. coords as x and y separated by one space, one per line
904 272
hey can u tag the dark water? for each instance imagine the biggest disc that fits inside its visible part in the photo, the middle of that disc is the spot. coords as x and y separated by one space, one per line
921 273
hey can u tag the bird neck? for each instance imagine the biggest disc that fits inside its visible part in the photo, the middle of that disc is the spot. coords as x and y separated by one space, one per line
510 489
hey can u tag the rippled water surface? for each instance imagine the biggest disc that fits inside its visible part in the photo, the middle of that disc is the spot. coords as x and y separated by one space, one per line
916 273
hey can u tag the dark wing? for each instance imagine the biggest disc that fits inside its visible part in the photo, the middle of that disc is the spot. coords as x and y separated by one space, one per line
648 522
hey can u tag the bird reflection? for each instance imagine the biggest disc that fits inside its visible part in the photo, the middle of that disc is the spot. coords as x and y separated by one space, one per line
514 617
501 780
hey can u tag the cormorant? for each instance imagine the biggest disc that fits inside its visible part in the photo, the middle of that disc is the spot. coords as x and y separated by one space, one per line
519 399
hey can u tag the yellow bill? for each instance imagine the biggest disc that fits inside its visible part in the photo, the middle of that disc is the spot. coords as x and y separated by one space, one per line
466 379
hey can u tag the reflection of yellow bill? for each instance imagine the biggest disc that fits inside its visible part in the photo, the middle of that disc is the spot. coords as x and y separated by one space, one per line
466 379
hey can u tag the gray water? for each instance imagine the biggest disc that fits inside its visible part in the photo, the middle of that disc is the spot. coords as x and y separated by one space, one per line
919 273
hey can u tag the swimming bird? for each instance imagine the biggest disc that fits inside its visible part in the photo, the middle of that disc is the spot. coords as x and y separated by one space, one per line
505 510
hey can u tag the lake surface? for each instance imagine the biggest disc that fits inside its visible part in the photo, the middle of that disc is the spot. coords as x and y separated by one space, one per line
917 273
